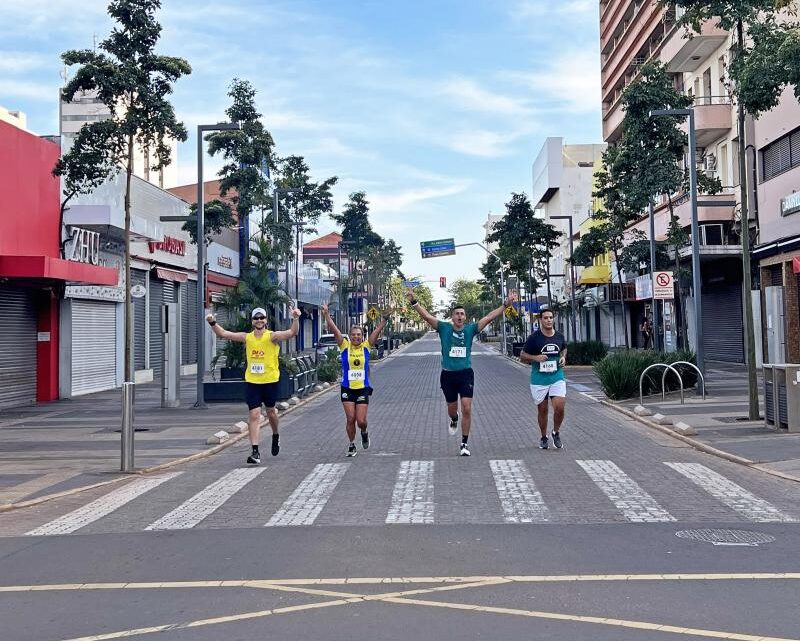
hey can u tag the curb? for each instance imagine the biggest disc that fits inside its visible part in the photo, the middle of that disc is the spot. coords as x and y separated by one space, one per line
698 445
10 507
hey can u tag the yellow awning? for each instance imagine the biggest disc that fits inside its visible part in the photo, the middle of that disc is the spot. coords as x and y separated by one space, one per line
595 275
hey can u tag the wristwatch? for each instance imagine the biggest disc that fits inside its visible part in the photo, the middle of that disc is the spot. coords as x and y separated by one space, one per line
212 323
413 302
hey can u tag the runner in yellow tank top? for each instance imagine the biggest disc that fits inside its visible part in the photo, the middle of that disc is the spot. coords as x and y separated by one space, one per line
356 387
261 372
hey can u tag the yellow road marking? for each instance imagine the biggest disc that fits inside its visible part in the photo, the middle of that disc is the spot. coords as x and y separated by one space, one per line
263 583
624 623
121 634
304 586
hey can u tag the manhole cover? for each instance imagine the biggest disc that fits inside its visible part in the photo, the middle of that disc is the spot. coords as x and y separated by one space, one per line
726 537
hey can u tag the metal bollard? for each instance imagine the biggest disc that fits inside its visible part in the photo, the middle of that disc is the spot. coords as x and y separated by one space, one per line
128 394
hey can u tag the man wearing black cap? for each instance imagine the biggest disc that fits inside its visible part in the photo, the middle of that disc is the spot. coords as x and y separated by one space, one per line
261 374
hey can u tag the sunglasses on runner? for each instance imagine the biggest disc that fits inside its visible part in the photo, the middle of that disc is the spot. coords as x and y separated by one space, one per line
259 318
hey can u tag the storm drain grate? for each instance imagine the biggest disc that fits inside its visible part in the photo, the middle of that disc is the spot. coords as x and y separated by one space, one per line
725 537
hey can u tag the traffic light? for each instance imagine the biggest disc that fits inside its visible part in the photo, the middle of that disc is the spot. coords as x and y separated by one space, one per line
442 281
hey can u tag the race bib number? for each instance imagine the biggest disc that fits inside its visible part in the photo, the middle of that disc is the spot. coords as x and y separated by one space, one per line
257 368
458 352
355 375
548 367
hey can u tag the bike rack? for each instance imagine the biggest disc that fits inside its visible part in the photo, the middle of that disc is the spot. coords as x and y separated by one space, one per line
693 366
663 378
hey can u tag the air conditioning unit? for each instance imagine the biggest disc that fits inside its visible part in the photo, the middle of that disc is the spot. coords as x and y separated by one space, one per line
710 163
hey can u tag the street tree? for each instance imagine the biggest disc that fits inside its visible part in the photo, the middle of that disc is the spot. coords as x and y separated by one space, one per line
217 214
135 83
467 293
758 72
92 159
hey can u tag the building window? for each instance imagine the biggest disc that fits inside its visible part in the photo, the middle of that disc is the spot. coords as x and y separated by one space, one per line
780 155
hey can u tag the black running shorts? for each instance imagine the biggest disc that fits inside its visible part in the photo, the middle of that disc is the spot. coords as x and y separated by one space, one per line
257 393
457 383
357 396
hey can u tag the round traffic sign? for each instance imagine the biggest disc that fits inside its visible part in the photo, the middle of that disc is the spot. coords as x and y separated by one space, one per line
663 280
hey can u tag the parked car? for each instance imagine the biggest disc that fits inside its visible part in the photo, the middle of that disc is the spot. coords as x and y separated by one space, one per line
326 342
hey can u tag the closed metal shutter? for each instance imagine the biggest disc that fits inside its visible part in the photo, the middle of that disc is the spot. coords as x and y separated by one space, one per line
722 323
94 346
138 277
161 292
17 348
189 323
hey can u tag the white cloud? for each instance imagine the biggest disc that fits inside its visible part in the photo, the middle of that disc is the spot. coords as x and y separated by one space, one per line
472 96
382 202
570 81
485 143
38 91
19 62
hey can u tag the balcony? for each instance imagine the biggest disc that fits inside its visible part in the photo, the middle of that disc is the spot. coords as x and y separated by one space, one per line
718 208
713 119
682 53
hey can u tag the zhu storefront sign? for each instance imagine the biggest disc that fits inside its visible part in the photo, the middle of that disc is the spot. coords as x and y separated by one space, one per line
84 246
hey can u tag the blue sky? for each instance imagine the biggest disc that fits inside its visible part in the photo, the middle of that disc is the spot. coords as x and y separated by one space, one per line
436 109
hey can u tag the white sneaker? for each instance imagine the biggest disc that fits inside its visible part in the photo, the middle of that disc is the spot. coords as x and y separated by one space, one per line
464 450
452 426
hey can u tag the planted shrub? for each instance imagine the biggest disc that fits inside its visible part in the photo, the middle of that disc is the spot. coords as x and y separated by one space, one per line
329 367
586 352
619 372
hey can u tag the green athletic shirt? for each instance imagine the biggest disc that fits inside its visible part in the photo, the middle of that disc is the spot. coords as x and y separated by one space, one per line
456 346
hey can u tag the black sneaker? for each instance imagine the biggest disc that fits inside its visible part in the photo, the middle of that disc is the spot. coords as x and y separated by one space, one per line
276 445
543 443
352 451
557 440
464 450
254 459
452 426
365 440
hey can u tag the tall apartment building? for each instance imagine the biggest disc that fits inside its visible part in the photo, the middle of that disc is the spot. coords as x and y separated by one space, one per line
631 33
16 118
86 108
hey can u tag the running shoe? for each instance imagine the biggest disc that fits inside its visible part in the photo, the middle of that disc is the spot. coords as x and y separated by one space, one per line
254 459
557 440
276 445
543 443
464 450
352 451
452 426
365 440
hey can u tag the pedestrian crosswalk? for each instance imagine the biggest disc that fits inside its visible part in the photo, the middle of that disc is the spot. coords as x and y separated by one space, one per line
424 492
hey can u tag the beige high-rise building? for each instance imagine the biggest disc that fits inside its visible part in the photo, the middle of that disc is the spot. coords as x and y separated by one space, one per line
16 118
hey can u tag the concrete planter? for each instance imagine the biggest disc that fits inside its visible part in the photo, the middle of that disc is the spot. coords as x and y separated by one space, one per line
224 391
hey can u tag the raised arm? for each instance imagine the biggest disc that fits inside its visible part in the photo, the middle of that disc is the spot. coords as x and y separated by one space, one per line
373 337
509 301
286 334
221 332
426 315
331 324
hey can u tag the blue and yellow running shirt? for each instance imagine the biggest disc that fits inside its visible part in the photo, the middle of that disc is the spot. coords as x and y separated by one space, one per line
355 364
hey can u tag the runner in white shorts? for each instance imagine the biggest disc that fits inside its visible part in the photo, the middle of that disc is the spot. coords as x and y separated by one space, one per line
546 351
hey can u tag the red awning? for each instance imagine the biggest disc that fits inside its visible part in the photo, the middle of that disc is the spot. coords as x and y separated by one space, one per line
221 279
796 264
169 274
49 268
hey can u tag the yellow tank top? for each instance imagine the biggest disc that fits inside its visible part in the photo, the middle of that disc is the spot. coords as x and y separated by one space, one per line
262 359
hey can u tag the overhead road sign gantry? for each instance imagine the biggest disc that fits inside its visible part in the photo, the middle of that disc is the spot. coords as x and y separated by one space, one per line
435 248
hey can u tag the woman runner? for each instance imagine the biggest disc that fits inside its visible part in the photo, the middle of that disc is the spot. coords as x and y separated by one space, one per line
356 388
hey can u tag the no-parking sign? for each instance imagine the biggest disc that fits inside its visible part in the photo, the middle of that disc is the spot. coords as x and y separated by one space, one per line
664 286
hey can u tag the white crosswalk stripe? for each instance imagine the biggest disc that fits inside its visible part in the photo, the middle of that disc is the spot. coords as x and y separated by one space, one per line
731 494
412 498
206 501
101 507
521 501
625 493
307 501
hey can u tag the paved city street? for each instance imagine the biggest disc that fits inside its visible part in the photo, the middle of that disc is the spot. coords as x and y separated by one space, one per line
513 542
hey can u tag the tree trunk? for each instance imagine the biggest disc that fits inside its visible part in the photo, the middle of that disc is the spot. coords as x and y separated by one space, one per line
683 334
128 301
622 301
749 334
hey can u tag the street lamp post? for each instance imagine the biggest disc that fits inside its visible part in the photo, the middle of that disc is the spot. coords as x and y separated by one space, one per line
656 323
571 274
696 280
276 216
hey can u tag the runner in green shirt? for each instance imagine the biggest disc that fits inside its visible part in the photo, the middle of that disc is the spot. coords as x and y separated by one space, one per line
457 378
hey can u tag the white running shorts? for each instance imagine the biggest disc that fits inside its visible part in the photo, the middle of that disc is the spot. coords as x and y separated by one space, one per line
541 392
